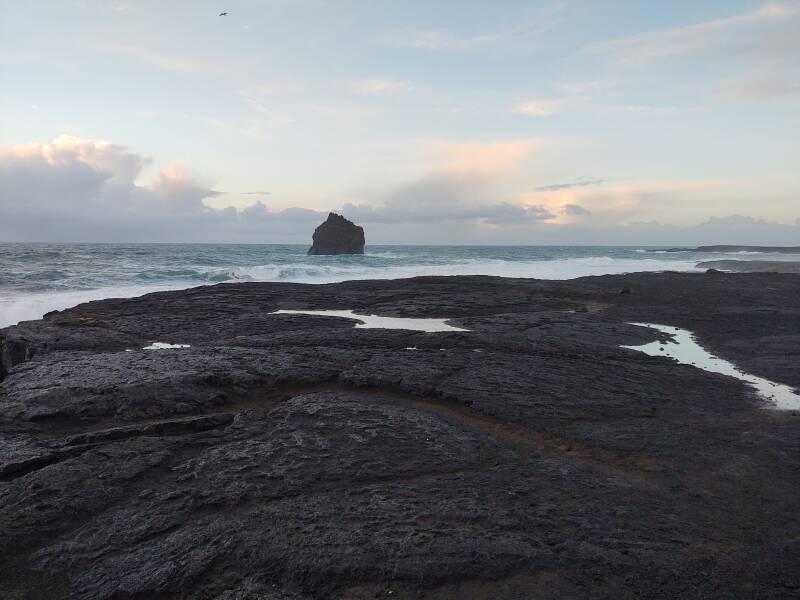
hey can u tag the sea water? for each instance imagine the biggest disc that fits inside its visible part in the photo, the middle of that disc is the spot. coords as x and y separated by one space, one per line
38 278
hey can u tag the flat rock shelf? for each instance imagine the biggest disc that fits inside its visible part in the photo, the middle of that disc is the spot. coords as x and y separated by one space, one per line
682 347
519 452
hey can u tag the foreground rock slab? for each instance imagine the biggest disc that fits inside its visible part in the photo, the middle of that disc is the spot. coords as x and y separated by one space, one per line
296 456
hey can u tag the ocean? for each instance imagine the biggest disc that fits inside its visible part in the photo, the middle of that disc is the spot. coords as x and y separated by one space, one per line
38 278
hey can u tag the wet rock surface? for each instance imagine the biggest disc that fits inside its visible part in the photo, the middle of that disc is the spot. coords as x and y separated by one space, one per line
293 456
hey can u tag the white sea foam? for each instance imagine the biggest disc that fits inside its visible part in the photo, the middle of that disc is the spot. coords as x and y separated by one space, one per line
16 307
543 269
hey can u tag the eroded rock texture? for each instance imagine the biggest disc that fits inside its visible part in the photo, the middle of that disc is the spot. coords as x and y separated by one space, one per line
291 456
337 235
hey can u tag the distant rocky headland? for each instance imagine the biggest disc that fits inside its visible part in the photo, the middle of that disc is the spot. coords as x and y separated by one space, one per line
723 248
337 235
278 456
752 266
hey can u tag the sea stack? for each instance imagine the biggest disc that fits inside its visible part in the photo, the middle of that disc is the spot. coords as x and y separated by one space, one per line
337 235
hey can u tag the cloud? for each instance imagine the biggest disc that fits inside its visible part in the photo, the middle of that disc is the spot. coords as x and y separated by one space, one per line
767 30
513 38
581 87
467 182
444 196
579 182
75 189
442 39
537 108
762 86
71 162
732 229
648 109
165 60
671 201
503 213
271 118
380 87
260 213
575 210
485 158
258 128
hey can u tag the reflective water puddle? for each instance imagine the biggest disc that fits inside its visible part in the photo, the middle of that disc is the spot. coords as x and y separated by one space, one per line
164 346
685 349
376 322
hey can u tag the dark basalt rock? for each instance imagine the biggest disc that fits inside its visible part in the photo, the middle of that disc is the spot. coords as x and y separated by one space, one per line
337 235
293 456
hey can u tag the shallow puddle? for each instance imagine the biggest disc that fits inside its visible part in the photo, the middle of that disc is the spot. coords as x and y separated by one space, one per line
376 322
164 346
685 349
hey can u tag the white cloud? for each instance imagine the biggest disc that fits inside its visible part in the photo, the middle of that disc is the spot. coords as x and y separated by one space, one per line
258 128
75 189
380 86
169 60
513 38
442 39
480 158
579 88
442 197
753 32
648 109
537 108
272 118
763 85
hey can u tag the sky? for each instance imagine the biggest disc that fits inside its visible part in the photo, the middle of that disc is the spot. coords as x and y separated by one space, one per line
457 122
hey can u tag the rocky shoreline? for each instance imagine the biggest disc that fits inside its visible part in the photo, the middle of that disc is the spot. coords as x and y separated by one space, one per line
752 266
294 456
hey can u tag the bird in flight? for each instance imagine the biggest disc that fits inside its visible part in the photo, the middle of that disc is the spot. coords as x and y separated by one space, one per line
223 14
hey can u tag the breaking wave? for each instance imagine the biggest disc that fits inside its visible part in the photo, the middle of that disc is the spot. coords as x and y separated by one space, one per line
36 279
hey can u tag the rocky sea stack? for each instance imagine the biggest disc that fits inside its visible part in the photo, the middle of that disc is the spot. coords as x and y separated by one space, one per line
337 235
